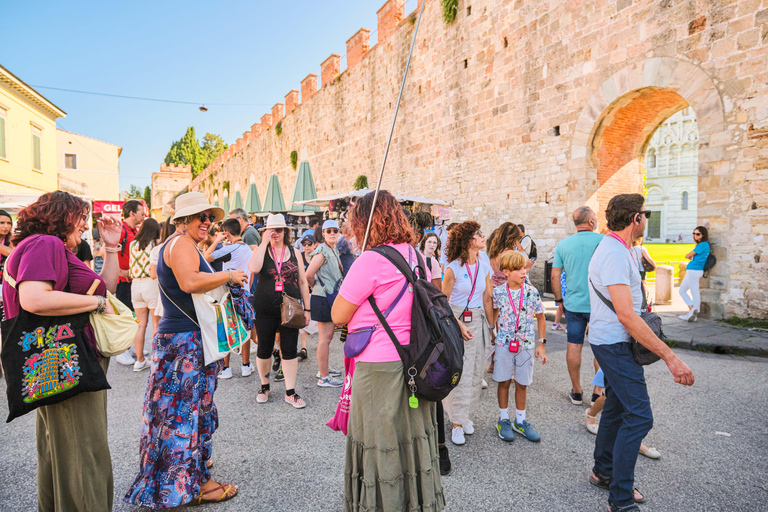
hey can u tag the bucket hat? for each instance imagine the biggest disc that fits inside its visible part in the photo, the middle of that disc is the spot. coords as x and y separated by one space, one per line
275 220
195 202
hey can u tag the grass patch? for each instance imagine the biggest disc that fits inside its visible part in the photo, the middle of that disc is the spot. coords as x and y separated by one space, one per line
746 322
668 254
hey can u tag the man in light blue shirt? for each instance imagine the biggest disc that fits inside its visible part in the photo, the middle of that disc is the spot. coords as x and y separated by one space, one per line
627 416
572 256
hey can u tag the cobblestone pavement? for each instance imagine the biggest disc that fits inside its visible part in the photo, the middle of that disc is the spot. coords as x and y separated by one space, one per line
285 459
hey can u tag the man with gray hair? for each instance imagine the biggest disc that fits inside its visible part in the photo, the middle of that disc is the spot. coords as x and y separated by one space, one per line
249 235
572 255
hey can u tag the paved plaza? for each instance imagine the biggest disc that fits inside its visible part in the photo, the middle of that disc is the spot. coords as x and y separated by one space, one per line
711 437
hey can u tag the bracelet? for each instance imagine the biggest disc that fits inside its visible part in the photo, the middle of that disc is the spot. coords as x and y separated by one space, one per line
307 310
558 301
101 307
113 249
231 277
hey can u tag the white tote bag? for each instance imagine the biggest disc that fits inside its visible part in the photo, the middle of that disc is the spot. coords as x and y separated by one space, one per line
222 329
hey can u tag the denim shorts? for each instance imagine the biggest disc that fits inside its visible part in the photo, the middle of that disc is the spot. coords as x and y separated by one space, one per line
577 326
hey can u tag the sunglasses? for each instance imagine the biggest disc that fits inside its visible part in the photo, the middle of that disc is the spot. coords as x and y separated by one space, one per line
332 231
204 216
479 233
277 230
647 213
695 233
306 244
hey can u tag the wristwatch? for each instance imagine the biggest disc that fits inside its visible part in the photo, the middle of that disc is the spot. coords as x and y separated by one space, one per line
558 301
543 341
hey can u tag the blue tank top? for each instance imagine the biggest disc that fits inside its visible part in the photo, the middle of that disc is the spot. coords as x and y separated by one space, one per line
173 320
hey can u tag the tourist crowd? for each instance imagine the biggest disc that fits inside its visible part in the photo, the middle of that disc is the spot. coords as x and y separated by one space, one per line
396 452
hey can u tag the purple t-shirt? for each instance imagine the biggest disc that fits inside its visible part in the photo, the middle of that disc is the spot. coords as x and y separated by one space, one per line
46 258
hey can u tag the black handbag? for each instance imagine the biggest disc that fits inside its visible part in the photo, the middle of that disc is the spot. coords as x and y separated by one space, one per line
647 265
46 360
642 355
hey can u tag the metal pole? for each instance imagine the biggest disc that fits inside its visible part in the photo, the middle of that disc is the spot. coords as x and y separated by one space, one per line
392 128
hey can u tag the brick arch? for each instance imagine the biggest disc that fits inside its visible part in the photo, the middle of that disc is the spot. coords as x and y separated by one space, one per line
614 127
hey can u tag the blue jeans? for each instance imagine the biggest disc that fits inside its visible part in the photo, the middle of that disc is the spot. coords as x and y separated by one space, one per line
577 326
626 420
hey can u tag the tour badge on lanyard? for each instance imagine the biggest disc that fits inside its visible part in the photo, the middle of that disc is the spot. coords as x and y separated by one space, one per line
466 315
279 267
519 337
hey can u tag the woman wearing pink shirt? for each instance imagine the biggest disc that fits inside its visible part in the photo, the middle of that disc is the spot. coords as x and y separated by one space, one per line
389 445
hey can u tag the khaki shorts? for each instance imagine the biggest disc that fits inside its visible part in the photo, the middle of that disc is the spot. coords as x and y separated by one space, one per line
145 293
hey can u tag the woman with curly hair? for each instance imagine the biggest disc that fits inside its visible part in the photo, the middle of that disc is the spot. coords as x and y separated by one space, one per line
467 284
74 467
504 238
392 453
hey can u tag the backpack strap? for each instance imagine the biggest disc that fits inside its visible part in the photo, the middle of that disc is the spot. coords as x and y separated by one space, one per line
397 259
123 239
383 317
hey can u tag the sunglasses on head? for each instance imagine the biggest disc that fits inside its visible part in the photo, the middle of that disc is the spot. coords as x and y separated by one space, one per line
332 230
647 213
205 216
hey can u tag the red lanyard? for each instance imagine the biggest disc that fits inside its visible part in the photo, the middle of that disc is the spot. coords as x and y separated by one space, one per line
278 264
477 273
519 308
617 237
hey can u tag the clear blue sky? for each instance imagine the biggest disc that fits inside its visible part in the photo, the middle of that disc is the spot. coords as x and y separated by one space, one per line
251 51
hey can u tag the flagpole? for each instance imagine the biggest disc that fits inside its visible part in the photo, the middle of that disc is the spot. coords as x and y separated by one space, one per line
392 127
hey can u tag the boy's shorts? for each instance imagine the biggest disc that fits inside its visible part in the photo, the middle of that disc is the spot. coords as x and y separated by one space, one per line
513 365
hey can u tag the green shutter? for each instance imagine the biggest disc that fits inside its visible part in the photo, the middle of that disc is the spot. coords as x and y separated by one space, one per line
36 152
2 138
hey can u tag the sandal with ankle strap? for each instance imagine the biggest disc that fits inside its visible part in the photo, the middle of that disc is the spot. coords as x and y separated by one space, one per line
230 491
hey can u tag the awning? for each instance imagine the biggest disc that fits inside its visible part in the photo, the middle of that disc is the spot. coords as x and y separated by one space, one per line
273 200
252 201
323 201
304 187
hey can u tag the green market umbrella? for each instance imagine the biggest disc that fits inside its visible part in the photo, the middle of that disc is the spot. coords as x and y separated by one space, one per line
216 200
273 200
225 203
238 202
304 187
252 201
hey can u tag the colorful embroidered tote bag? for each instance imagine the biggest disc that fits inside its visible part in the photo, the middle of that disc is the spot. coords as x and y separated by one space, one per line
46 360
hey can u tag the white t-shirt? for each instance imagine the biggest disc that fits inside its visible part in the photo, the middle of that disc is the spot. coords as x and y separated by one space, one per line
154 254
463 285
611 264
241 255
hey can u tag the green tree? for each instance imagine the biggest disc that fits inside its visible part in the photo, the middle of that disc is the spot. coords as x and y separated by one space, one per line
133 193
188 151
148 196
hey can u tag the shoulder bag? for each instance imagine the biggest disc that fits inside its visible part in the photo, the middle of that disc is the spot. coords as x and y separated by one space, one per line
114 333
642 355
292 313
331 297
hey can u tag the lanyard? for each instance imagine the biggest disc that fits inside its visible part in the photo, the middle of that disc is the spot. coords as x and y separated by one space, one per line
477 273
519 308
617 237
278 265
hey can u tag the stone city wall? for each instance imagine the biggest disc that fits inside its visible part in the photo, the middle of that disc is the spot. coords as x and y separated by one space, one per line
525 110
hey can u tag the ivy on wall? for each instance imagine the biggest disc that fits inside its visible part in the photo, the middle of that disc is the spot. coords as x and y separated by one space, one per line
279 127
294 159
225 186
450 8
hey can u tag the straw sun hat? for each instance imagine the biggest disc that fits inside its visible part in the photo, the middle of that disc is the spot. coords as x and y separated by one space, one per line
195 202
275 220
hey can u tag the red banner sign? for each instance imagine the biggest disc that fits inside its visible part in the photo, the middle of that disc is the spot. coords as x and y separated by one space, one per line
110 207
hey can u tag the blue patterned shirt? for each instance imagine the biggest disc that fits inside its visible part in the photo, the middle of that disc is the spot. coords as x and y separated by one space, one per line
531 306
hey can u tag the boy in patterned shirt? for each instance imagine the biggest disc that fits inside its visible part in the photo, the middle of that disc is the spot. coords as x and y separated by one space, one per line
516 307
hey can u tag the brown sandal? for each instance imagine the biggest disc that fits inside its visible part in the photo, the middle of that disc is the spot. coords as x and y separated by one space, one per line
225 496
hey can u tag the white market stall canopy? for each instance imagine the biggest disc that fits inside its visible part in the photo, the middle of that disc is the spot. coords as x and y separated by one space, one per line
323 201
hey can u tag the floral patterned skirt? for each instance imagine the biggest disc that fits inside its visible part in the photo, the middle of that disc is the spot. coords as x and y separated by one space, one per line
179 421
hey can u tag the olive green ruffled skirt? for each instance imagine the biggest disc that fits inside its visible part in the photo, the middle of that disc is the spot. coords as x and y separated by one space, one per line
392 458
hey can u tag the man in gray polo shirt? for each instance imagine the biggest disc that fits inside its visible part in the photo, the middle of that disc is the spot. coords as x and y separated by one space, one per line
627 416
250 236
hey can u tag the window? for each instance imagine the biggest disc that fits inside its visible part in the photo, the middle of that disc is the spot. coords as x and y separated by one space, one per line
652 158
2 134
70 161
685 200
36 156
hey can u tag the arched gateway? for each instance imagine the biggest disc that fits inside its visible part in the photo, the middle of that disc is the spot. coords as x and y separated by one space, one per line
612 133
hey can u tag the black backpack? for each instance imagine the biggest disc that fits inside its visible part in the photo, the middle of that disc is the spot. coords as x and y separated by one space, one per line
711 261
434 359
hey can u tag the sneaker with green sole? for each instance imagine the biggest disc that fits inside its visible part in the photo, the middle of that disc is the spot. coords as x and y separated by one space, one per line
525 429
504 429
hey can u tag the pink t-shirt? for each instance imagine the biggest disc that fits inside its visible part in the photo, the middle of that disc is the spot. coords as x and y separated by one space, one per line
373 274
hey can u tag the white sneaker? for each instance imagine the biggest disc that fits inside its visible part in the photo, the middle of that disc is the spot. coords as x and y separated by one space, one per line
247 370
469 428
457 435
226 373
143 365
484 386
331 372
125 358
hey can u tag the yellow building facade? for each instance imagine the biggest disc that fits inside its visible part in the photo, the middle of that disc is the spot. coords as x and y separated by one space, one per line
88 167
28 164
